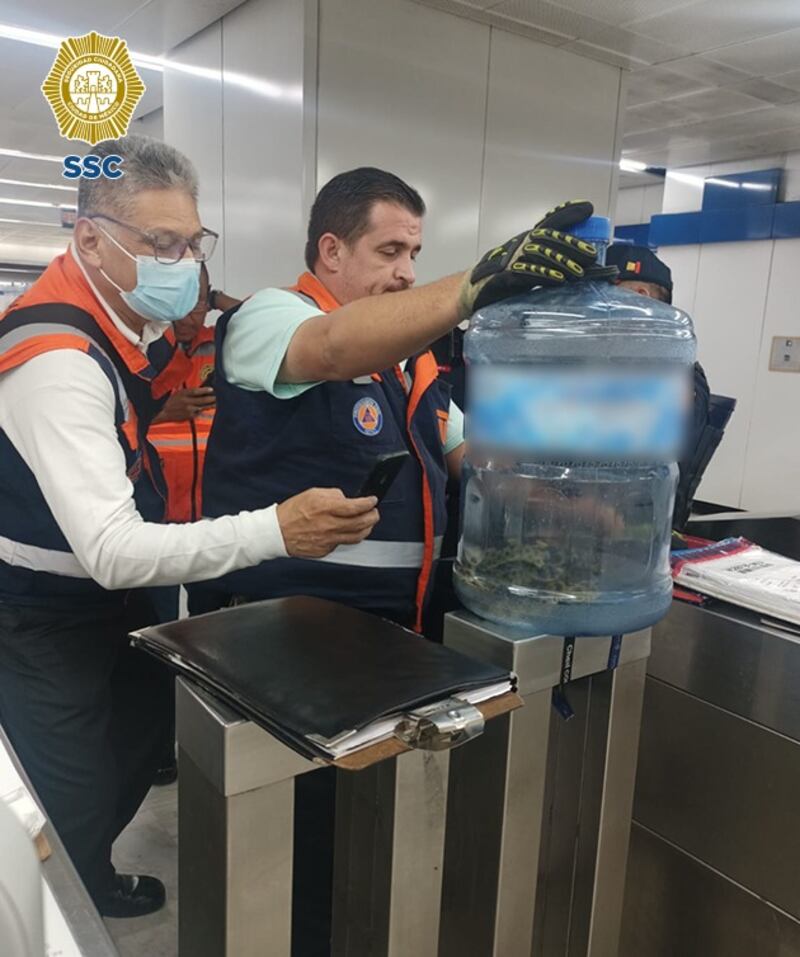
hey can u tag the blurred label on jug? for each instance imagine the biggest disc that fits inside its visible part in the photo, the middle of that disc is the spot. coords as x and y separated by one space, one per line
584 412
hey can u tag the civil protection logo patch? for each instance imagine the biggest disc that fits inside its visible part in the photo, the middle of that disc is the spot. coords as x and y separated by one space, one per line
367 417
93 88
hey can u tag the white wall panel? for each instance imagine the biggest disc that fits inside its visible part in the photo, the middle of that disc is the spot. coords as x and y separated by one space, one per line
729 317
151 124
653 201
772 468
630 206
683 189
263 61
791 177
403 87
637 204
192 122
550 134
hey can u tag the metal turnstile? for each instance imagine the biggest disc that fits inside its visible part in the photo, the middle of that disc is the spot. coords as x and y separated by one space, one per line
539 807
512 845
235 820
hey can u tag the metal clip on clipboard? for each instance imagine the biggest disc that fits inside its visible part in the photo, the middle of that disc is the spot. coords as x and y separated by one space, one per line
440 726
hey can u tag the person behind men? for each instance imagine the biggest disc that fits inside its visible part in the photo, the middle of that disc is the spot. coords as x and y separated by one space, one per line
641 271
82 502
180 430
315 380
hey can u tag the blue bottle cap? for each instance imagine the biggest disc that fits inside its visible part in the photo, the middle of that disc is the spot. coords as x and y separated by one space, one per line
595 229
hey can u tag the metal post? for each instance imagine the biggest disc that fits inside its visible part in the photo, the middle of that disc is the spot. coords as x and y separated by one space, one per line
624 724
235 823
539 810
390 825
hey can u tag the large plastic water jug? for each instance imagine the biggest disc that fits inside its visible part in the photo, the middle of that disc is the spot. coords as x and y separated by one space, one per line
577 408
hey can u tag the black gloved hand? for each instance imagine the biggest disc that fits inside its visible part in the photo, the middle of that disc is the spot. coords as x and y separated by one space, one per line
542 256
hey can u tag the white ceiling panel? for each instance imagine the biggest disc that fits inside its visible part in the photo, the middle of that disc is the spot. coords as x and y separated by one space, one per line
709 72
717 23
791 79
521 29
658 116
716 103
765 57
470 11
637 47
550 16
595 52
149 26
623 12
769 91
658 84
67 19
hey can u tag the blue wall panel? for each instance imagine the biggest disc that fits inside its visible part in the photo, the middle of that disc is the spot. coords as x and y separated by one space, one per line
675 229
742 190
786 224
736 225
639 235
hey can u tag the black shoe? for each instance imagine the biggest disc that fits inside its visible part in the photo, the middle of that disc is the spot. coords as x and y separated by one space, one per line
166 775
133 896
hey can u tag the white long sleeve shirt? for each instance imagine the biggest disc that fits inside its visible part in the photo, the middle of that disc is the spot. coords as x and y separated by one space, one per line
57 409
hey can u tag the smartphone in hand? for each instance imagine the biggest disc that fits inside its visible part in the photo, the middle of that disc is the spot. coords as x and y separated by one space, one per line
384 472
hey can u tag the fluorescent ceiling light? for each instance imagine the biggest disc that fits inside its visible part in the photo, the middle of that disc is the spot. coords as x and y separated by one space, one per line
5 200
24 182
22 154
30 222
274 91
632 166
716 181
689 178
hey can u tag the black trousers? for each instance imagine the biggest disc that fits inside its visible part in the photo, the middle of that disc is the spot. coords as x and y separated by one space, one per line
86 714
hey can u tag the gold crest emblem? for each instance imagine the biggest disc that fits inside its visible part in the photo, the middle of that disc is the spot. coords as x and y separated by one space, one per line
93 88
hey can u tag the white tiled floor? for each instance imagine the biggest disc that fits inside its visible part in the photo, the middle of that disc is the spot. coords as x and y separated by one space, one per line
149 845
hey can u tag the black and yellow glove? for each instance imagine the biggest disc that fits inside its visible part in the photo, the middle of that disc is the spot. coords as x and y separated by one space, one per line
543 256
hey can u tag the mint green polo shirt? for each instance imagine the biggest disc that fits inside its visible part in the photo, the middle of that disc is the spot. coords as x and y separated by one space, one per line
256 342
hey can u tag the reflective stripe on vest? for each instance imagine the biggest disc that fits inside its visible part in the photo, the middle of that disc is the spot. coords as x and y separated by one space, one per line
373 554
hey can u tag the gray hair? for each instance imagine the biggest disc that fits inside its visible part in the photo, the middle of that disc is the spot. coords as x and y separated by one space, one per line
148 164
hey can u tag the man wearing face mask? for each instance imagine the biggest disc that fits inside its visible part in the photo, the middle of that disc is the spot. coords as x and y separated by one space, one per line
81 499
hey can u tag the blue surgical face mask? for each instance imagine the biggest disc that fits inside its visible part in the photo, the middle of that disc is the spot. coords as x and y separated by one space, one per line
164 292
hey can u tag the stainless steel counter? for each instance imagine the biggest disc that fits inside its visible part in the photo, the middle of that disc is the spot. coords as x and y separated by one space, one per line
714 866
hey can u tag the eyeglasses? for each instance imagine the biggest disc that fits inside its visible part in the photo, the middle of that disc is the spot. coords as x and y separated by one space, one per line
169 247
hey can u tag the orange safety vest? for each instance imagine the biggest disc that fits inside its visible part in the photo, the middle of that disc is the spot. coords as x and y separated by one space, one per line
331 436
182 449
60 311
